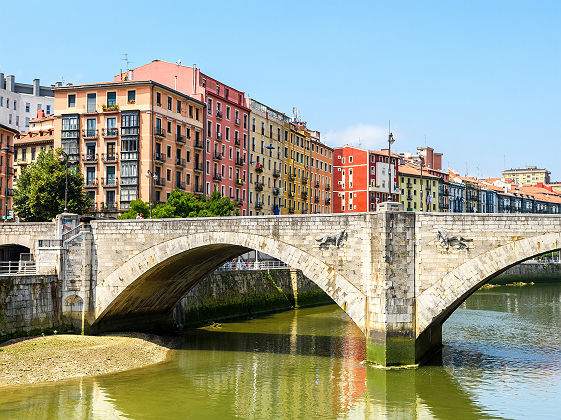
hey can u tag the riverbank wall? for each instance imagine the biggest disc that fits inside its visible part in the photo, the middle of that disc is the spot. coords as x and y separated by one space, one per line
530 272
29 304
238 294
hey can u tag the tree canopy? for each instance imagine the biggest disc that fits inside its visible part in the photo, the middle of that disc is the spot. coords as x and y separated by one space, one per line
39 194
181 204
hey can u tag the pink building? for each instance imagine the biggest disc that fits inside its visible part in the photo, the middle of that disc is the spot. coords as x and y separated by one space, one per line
226 165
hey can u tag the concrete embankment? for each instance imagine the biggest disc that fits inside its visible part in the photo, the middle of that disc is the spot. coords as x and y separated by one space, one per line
530 273
57 357
235 294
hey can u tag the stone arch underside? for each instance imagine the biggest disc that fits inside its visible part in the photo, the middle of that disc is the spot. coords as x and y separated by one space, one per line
156 279
439 301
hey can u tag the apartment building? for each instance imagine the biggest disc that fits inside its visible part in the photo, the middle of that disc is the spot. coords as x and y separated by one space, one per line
7 137
528 175
132 140
29 145
419 190
265 159
226 163
19 102
296 173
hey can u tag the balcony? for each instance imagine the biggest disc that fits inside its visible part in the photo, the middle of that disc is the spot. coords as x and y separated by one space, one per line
236 142
218 114
180 162
327 201
304 195
109 182
198 167
219 136
180 139
180 186
276 173
291 177
291 210
239 162
89 157
327 187
129 180
237 121
239 182
258 205
159 132
90 183
159 182
316 199
276 191
159 157
109 158
198 145
89 134
259 186
198 189
109 206
110 132
216 177
291 193
259 168
304 180
217 156
240 202
316 185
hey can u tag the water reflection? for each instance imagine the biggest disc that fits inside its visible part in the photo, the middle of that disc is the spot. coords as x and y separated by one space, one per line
306 364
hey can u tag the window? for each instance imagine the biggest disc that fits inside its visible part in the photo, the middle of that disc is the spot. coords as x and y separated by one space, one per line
169 126
197 114
190 111
179 107
111 99
227 112
169 103
91 102
158 98
27 107
48 109
131 96
71 101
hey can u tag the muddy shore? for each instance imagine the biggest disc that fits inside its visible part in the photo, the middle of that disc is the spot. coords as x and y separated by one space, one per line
57 357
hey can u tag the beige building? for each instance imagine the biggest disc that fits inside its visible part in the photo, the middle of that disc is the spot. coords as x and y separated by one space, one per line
266 134
28 146
528 175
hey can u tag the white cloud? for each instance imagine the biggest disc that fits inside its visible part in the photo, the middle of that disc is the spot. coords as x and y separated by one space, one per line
370 136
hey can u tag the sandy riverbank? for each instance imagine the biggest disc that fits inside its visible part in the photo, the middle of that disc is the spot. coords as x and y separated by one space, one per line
57 357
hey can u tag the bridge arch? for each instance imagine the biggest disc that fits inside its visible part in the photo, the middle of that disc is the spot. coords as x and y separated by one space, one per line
438 302
153 281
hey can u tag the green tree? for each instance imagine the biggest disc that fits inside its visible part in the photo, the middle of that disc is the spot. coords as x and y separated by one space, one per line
181 204
39 195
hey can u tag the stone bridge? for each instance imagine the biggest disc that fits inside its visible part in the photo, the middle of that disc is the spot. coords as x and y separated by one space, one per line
388 270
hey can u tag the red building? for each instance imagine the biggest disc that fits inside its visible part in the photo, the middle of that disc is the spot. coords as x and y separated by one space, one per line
361 179
226 125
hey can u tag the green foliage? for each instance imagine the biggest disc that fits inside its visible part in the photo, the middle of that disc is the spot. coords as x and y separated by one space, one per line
39 195
181 204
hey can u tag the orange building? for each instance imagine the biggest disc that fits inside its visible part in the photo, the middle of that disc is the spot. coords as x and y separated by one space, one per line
7 136
132 140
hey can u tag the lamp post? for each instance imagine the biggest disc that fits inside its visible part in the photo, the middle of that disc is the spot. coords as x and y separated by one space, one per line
391 140
419 159
63 157
152 177
7 150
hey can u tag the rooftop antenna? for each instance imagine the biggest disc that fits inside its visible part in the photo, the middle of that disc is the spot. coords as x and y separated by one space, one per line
125 58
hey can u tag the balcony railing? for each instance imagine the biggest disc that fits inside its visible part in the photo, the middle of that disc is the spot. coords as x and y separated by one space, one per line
316 199
304 196
218 114
110 132
159 132
291 177
109 158
198 145
239 162
129 180
217 177
259 169
327 201
240 202
180 185
217 156
198 167
159 157
89 134
276 191
258 205
159 181
89 157
291 210
91 183
316 185
258 186
180 139
198 189
236 142
109 182
219 136
276 173
239 182
109 206
327 187
237 121
180 162
304 180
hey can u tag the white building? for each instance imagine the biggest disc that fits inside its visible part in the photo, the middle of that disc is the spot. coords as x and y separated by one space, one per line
20 102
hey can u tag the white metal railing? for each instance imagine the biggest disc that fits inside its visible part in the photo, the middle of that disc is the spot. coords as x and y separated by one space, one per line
542 262
8 268
253 265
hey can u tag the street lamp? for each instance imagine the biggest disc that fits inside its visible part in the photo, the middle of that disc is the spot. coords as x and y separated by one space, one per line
152 177
7 150
391 140
63 157
419 159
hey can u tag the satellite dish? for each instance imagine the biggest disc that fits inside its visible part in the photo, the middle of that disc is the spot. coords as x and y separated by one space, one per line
179 62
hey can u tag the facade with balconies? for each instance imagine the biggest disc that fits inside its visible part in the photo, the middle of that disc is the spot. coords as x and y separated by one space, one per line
132 140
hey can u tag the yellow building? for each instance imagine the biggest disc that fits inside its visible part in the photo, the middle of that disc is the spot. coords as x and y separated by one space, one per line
265 159
296 176
528 175
419 192
27 147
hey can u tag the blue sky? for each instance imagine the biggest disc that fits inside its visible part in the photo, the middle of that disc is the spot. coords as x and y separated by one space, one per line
480 79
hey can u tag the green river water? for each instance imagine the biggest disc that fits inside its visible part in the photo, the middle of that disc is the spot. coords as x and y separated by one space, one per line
501 359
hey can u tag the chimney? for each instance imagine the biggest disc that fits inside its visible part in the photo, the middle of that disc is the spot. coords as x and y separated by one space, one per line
36 87
11 83
2 80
